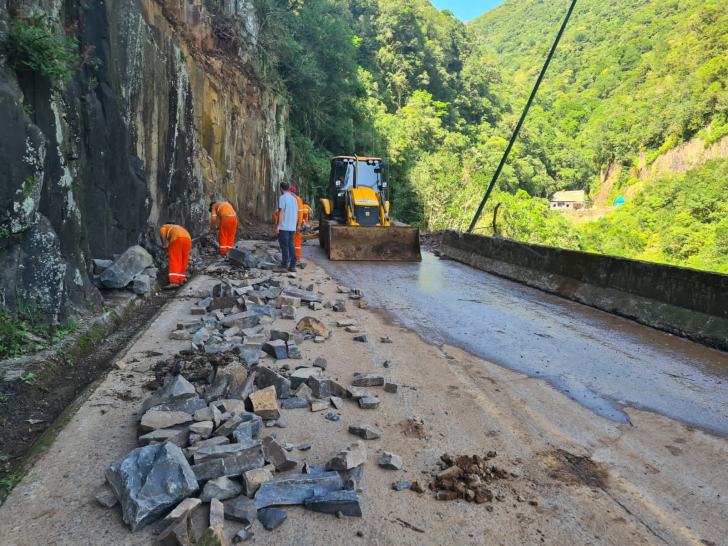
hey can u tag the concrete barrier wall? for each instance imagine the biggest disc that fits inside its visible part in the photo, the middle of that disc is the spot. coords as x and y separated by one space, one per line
685 302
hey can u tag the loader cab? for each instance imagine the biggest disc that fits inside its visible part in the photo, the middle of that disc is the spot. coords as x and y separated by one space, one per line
350 173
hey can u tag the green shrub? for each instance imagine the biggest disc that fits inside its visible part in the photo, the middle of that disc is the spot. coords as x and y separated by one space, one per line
35 43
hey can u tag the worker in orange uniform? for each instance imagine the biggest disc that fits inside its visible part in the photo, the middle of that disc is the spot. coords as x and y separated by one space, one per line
223 215
307 212
297 237
177 241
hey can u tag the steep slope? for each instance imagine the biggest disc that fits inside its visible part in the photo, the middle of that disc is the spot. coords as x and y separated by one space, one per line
163 110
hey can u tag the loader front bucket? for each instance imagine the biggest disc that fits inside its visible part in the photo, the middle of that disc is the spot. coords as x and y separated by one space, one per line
381 243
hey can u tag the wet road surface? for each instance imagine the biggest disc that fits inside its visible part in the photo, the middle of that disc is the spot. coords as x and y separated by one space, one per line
600 360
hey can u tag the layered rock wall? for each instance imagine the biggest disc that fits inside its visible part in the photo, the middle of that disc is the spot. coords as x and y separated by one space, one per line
172 116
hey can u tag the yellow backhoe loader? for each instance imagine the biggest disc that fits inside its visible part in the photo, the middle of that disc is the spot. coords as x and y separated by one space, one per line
355 222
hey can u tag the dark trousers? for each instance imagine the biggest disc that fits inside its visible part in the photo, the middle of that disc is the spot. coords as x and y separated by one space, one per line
288 248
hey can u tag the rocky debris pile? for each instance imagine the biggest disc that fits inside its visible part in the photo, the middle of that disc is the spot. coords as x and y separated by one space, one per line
201 434
236 316
134 270
195 451
469 478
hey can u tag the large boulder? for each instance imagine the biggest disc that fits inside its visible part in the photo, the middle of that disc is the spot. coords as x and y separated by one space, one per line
242 258
131 263
150 481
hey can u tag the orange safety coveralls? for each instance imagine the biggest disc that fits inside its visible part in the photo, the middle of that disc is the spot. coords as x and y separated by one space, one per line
306 212
228 225
180 243
297 236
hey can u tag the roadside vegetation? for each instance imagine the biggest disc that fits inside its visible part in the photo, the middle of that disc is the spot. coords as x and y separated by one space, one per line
440 98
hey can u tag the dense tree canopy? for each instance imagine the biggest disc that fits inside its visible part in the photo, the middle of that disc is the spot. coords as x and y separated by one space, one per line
440 99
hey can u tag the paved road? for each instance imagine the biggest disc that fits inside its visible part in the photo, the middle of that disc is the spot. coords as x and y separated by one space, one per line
602 361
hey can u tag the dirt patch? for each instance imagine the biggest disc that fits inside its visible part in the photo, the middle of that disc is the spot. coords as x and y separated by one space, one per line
256 230
575 470
413 428
28 408
468 478
431 241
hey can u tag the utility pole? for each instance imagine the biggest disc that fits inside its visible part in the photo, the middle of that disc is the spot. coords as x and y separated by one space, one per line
520 122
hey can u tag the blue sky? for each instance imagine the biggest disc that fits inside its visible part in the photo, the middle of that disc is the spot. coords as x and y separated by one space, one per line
467 10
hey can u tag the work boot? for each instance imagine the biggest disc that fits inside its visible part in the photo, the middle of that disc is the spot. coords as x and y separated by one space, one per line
171 286
280 270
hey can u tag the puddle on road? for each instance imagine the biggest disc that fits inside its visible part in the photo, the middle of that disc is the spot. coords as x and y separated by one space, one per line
610 362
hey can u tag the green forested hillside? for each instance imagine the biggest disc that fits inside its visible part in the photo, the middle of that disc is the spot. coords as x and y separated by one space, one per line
441 98
630 75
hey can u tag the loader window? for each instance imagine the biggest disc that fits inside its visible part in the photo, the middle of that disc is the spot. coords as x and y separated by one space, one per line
367 177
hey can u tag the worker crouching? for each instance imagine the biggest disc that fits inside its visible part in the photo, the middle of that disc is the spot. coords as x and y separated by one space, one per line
226 221
177 241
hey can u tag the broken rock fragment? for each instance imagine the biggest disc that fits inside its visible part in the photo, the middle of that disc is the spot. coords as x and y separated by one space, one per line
105 497
122 271
391 387
352 478
366 432
320 386
221 488
268 377
243 535
345 322
233 466
278 456
242 320
294 403
390 461
175 534
220 451
186 405
368 380
276 349
246 388
296 488
319 405
217 512
356 393
210 413
346 502
272 518
242 509
265 403
369 402
178 514
177 388
178 436
352 456
149 481
154 420
293 351
301 375
253 479
303 295
312 326
203 428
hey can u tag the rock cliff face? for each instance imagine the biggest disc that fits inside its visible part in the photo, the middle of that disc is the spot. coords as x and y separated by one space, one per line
173 115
